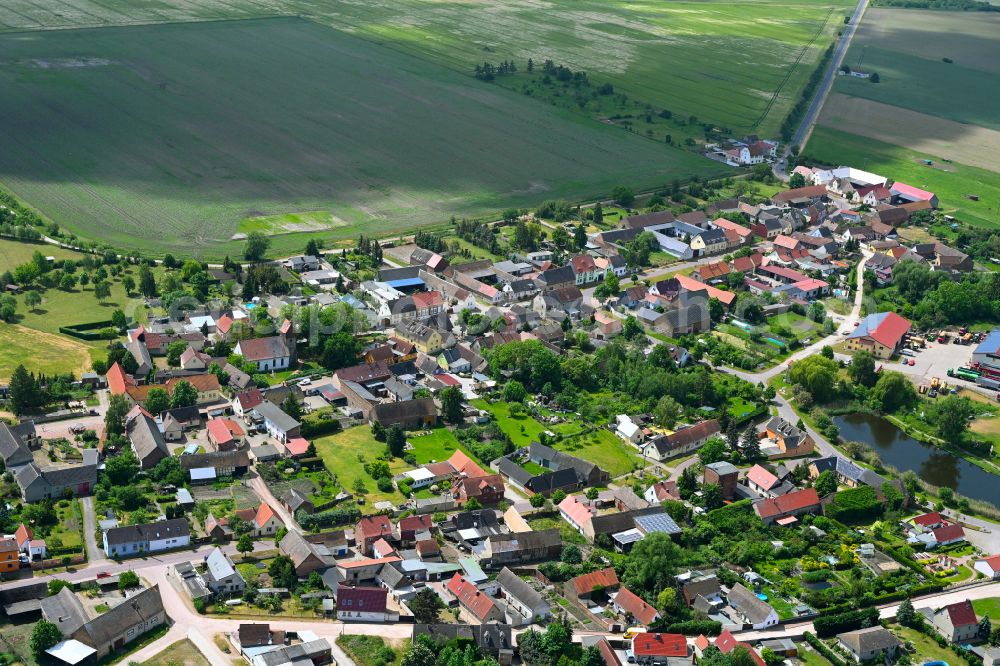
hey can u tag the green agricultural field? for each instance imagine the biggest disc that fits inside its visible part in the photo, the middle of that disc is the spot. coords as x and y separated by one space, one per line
183 135
835 147
737 63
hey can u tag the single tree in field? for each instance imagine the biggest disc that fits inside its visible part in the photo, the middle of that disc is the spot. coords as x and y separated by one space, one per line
147 283
102 290
128 283
395 441
32 299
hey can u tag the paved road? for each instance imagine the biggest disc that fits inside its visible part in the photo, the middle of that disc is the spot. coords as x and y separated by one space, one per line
812 113
652 275
805 128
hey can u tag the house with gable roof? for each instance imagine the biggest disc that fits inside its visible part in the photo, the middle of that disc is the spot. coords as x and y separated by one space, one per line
881 334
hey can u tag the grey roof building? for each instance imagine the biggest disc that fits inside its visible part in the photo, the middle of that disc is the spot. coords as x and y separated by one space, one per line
13 450
221 575
65 610
146 439
524 604
124 623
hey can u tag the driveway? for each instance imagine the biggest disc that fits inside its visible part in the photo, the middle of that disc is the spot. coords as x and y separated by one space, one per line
95 555
262 490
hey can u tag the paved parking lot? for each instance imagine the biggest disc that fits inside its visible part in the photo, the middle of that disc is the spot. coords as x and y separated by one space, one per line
934 361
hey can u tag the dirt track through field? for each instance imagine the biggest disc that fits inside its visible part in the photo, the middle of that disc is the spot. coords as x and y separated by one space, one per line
940 138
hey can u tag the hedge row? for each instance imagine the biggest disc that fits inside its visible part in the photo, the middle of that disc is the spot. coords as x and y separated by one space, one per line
319 428
693 628
330 518
92 331
824 650
831 625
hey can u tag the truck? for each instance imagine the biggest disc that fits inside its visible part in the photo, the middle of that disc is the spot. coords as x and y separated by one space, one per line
942 337
935 382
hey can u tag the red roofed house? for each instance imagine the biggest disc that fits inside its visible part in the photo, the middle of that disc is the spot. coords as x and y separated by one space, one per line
726 643
635 608
605 580
648 648
479 604
908 193
930 520
464 465
271 353
749 263
795 503
744 233
762 481
576 513
33 548
989 567
118 381
948 534
266 522
225 434
410 526
382 549
585 269
957 623
222 326
727 297
809 289
364 604
786 242
713 271
297 446
246 401
881 334
369 530
487 490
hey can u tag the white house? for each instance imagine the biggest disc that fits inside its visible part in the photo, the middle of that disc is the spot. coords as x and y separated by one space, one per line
989 567
627 429
364 604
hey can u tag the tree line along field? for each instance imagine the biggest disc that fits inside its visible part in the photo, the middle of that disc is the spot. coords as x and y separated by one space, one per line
719 60
166 137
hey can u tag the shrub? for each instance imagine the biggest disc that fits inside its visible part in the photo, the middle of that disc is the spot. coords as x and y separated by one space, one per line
829 625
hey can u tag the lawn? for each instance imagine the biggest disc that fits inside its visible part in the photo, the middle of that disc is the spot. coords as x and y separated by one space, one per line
739 408
927 647
345 454
369 650
989 606
177 141
40 352
809 657
435 446
602 447
15 638
14 253
69 530
835 147
523 429
181 653
569 535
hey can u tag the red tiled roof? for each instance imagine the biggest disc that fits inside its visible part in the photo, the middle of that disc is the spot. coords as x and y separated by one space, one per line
691 284
608 654
961 613
23 534
761 477
793 501
264 514
427 547
949 533
787 273
463 464
367 562
659 645
250 399
362 599
577 511
382 548
477 486
605 578
749 263
478 603
448 379
297 446
223 324
912 192
700 430
118 381
427 299
810 284
8 546
224 431
583 263
665 490
781 240
729 225
713 270
928 519
890 331
636 607
416 523
726 642
372 526
201 383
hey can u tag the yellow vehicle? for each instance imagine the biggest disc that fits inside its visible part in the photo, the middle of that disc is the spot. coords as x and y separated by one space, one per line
935 383
632 632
